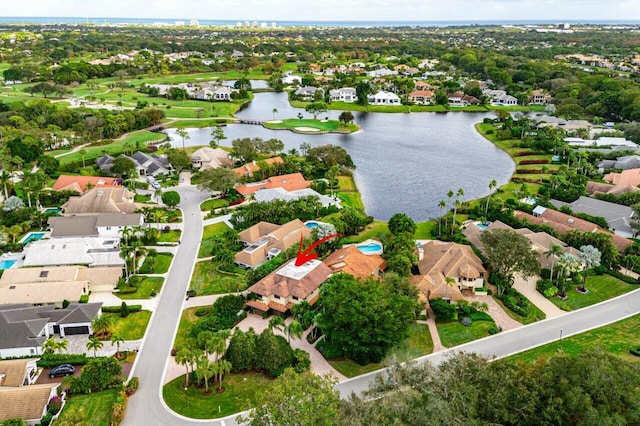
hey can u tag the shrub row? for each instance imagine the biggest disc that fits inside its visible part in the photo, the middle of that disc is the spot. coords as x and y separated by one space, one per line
525 153
546 288
116 309
527 180
622 277
52 360
523 162
528 171
515 301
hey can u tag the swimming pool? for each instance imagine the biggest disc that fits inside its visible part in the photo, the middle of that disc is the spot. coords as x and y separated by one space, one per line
34 236
483 226
6 264
52 210
311 225
370 248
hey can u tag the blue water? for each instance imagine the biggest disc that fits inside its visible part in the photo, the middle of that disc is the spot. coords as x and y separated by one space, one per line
311 225
370 248
6 264
224 23
483 226
33 237
52 210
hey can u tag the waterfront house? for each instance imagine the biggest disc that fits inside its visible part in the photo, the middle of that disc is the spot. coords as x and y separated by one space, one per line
344 94
249 169
290 182
421 97
350 260
384 98
210 158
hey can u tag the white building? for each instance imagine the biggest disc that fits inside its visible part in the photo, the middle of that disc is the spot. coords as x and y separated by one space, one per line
384 98
344 94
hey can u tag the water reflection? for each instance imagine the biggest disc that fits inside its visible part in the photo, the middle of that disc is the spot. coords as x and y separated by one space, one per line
404 162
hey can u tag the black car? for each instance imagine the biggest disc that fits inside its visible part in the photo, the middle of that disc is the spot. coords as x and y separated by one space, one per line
62 370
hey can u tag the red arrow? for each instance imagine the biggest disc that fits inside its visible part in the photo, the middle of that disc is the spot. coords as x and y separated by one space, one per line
307 255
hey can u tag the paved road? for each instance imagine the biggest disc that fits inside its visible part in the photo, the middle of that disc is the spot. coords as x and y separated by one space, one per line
147 407
527 337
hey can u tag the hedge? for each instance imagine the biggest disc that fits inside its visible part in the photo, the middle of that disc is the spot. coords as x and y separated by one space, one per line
525 153
116 309
622 277
48 360
524 162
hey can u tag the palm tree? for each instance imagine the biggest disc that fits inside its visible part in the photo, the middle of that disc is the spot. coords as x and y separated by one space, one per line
61 345
589 257
49 345
224 367
158 194
450 282
183 357
276 323
101 324
450 195
5 180
442 204
553 252
492 185
83 152
94 344
275 111
205 371
293 329
180 131
459 194
117 340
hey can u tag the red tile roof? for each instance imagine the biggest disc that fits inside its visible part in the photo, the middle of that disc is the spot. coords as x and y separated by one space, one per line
81 183
290 182
250 168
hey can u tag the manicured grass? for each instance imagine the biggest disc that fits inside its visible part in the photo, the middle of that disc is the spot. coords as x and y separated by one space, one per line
616 338
418 343
187 322
214 203
423 229
372 230
322 125
94 408
453 333
207 280
242 392
347 183
207 122
171 236
209 234
145 285
166 215
535 314
114 148
601 288
351 199
130 328
156 264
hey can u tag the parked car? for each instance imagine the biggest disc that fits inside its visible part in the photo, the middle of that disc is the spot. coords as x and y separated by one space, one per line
62 370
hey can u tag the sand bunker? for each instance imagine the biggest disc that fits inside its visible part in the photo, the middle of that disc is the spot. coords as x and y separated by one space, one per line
275 121
307 129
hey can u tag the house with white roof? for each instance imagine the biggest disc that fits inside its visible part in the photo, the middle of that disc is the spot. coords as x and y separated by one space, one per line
344 94
384 98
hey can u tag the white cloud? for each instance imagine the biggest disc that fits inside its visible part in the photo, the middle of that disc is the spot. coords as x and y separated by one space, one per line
340 10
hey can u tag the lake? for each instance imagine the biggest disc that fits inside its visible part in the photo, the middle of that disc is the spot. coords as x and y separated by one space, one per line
405 162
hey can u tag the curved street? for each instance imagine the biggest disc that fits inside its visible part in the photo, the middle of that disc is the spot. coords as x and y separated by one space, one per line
148 407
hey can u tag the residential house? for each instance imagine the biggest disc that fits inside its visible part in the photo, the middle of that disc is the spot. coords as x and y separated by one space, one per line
18 372
210 158
54 285
439 261
287 286
541 242
23 329
422 85
421 97
266 195
104 225
539 97
626 177
265 240
459 99
350 260
289 80
625 163
381 72
616 143
80 184
618 217
594 188
249 169
344 94
101 200
145 165
563 223
26 402
236 54
430 288
384 98
308 93
92 252
290 182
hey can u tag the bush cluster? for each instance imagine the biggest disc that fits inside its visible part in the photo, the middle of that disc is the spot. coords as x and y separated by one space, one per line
515 301
223 316
546 288
116 309
49 360
524 162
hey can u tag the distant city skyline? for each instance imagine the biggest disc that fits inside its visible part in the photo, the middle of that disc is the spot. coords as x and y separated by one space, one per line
331 10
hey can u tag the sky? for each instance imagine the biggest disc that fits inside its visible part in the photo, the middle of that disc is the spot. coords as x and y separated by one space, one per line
331 10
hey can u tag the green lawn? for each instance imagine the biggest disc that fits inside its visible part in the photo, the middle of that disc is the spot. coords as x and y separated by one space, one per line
242 392
209 233
172 236
616 338
535 314
423 229
212 204
347 184
145 285
207 280
130 328
167 215
601 288
93 408
156 264
114 148
351 199
187 322
453 333
372 230
322 125
418 343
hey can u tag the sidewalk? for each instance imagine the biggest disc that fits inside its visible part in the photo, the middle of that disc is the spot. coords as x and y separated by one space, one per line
528 288
498 314
433 329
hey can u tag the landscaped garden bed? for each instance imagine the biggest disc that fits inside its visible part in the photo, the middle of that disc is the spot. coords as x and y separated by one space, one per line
141 287
156 263
208 279
601 288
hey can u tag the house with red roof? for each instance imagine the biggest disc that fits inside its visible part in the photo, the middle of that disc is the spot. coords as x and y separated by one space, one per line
290 182
80 184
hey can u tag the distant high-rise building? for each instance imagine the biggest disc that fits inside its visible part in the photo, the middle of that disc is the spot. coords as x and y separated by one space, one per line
273 25
194 23
263 25
247 24
254 24
179 23
238 24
